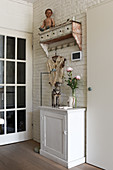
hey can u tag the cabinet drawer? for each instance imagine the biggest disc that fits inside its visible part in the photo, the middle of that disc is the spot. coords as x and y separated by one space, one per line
54 34
48 36
60 32
42 37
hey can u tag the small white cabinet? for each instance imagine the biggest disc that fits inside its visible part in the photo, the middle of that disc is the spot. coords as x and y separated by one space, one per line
63 135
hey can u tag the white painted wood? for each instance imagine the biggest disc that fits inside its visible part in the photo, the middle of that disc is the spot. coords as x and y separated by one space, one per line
100 79
76 139
15 15
62 161
27 1
20 136
63 135
56 32
54 124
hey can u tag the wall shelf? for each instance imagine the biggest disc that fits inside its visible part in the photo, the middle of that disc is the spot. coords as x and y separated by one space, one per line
68 30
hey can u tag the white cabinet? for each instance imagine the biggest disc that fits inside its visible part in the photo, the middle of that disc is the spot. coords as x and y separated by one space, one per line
63 135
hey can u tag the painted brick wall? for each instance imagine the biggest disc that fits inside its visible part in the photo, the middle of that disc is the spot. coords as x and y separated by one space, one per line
62 9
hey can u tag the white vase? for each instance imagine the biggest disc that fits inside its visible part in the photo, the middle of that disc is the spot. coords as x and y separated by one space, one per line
71 101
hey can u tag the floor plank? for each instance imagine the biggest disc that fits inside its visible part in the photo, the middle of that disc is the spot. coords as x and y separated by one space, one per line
21 156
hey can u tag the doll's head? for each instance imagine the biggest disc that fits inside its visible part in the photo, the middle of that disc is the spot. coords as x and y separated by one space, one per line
48 13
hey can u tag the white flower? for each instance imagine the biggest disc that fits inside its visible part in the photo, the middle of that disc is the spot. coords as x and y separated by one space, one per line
69 69
78 77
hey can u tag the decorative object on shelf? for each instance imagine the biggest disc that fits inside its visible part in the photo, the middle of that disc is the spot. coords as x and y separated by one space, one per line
72 82
56 63
48 22
56 95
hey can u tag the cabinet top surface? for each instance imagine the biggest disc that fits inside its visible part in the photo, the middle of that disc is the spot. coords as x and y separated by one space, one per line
61 109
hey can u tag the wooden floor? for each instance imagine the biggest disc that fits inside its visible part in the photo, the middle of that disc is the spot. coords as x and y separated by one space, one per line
21 156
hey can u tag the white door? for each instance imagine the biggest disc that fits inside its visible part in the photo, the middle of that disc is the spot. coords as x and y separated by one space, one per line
15 86
100 79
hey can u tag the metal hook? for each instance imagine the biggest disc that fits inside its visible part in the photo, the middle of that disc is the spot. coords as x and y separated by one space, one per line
55 51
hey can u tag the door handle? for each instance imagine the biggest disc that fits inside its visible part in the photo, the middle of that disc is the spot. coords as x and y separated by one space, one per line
89 89
65 132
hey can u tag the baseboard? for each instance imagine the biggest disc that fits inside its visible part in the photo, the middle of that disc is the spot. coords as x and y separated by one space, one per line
61 161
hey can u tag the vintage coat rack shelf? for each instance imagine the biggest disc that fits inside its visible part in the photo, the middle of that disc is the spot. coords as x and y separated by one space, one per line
65 33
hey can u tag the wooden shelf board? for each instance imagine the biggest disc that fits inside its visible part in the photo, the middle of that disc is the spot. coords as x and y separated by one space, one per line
57 39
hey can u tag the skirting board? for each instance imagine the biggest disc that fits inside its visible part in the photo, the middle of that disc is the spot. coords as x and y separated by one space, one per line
61 161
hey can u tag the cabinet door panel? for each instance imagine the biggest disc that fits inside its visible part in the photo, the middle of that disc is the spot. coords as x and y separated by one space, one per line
54 134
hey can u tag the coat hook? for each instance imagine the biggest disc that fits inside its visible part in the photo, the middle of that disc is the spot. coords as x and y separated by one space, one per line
50 49
68 45
55 51
61 46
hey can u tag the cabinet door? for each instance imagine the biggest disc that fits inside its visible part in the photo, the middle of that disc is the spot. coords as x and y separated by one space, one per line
54 133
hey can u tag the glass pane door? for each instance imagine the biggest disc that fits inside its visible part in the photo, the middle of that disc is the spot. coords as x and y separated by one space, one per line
13 112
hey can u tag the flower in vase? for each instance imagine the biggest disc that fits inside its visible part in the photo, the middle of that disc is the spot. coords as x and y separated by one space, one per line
77 77
69 69
72 81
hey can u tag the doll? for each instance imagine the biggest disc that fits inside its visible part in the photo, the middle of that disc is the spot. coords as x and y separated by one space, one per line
48 22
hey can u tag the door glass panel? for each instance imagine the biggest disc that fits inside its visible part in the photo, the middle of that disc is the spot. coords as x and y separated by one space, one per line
12 85
10 118
10 97
10 52
21 73
1 123
1 72
1 97
21 120
21 97
1 46
21 49
10 72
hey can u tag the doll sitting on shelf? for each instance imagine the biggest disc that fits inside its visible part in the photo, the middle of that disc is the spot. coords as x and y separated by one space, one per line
48 22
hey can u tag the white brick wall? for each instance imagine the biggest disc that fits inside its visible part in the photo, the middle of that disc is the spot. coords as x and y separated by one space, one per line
63 9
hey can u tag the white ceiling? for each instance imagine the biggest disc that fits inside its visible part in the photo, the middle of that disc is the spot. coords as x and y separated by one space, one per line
31 1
